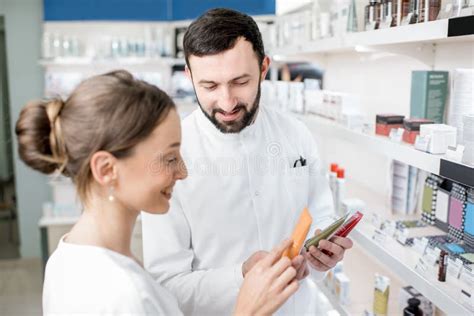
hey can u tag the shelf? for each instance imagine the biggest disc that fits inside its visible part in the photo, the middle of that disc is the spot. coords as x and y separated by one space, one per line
402 261
448 30
47 221
128 61
406 153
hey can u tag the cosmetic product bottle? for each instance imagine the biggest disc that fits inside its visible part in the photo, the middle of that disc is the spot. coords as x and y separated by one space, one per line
371 15
443 266
386 14
340 190
378 14
332 180
405 11
352 17
394 19
413 308
414 11
435 7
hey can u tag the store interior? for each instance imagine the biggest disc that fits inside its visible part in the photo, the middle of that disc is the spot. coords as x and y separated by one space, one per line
385 87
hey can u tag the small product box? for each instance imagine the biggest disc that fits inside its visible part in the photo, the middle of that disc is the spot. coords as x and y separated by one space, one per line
341 287
381 294
429 90
386 122
441 137
412 129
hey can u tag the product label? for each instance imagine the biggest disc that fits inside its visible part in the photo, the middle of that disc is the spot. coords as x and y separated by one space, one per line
379 237
454 268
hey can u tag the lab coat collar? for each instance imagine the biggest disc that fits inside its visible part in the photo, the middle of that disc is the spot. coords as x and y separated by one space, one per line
250 130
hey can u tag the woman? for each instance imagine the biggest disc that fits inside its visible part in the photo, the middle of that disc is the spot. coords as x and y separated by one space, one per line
118 138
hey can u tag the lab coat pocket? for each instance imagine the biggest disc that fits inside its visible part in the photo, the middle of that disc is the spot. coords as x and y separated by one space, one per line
298 186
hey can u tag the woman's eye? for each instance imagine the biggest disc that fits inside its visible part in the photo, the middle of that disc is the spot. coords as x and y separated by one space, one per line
172 160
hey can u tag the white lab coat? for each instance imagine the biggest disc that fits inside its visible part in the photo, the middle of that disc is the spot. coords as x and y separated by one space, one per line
89 280
242 195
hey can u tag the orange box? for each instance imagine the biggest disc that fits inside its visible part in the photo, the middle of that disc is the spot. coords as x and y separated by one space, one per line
299 234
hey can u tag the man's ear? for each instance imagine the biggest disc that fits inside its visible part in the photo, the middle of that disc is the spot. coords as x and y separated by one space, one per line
187 71
265 67
104 168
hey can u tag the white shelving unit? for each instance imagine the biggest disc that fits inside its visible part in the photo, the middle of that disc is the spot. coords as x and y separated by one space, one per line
402 261
429 32
402 152
399 151
399 259
128 61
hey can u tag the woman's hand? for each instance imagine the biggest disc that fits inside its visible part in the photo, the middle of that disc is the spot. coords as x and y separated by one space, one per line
268 285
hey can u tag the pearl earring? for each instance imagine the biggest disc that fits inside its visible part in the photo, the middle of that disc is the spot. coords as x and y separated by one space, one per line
111 194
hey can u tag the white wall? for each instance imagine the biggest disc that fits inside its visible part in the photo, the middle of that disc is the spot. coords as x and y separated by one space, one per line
23 22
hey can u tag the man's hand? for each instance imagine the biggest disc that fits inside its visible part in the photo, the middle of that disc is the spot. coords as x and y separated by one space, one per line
252 260
334 248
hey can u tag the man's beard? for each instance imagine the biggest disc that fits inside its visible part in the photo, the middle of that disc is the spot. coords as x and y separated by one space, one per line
238 125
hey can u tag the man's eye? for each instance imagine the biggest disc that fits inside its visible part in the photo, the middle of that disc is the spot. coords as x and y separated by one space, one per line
242 83
210 88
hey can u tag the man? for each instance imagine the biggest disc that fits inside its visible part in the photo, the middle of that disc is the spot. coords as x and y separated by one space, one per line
252 170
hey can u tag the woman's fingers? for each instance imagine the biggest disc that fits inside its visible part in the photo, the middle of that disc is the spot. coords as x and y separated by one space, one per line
277 252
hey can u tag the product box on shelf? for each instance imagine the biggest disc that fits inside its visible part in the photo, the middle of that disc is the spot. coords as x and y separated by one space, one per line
429 90
412 129
386 122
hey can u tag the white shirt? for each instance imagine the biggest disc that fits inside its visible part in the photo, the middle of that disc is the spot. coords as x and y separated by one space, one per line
242 195
81 279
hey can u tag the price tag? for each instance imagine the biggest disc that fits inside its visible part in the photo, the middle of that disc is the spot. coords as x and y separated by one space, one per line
422 142
422 266
467 276
402 235
467 293
396 135
454 268
430 256
376 220
379 237
420 244
389 228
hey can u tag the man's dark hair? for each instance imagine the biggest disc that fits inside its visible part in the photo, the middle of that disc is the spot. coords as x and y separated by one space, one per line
217 30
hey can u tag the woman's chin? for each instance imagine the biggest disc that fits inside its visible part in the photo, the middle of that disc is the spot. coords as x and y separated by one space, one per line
163 208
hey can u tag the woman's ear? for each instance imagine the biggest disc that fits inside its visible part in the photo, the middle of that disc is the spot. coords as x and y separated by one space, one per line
104 168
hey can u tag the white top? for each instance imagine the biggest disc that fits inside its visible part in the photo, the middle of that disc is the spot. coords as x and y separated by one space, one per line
81 279
242 195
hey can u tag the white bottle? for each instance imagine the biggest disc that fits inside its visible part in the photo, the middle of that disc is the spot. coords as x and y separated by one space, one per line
340 191
332 180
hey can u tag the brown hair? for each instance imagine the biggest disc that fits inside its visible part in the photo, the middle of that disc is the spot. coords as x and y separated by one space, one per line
218 30
111 112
